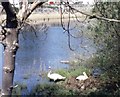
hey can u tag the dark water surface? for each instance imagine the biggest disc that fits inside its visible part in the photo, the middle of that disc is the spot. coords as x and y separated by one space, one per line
36 54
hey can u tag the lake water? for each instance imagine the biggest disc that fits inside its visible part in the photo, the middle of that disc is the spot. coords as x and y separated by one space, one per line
36 54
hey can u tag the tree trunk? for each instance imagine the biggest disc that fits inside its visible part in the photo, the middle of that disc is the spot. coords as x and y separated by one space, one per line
9 38
9 61
10 42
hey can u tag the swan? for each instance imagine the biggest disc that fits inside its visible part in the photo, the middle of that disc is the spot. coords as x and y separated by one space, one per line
55 76
82 77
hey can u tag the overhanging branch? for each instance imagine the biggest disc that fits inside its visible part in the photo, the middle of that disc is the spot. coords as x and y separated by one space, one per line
33 7
95 16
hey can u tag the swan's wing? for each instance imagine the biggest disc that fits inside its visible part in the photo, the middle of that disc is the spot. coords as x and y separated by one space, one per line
52 76
80 77
58 76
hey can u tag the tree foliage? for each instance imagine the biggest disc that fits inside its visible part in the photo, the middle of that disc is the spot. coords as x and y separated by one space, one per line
106 37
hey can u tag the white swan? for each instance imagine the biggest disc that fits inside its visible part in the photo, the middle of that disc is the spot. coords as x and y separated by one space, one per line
55 76
82 77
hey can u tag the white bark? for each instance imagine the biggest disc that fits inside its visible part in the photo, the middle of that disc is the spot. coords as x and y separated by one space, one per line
24 9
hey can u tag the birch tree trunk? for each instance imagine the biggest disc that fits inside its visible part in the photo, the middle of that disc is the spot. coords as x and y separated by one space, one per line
10 42
9 61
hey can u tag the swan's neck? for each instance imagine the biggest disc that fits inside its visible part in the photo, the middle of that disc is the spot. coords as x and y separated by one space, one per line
49 73
85 75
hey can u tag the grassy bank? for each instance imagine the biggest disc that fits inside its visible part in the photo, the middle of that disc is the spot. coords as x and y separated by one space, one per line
89 88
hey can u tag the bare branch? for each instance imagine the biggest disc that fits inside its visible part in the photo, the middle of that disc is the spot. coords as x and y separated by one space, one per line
33 7
29 12
95 16
61 15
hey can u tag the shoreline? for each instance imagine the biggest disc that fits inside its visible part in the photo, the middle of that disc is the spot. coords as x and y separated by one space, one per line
48 18
52 18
